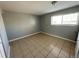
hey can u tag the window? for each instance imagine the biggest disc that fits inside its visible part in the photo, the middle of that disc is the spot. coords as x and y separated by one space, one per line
68 19
56 20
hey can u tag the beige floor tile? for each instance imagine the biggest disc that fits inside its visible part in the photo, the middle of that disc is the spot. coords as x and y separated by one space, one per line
72 52
64 54
55 51
34 53
17 54
29 55
51 56
42 46
44 52
39 55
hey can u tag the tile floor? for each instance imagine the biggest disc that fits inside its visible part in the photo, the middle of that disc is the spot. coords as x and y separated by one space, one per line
42 46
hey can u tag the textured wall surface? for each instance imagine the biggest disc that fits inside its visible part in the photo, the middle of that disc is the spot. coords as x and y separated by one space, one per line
64 31
18 24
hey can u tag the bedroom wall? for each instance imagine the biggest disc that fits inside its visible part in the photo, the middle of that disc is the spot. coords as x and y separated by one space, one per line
69 32
19 24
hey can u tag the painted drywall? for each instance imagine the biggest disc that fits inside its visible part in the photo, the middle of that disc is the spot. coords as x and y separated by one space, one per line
69 32
3 36
19 24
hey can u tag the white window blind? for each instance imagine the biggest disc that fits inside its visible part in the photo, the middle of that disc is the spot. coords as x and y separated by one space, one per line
56 20
68 19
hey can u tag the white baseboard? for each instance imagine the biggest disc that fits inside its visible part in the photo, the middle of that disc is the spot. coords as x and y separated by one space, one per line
23 37
44 33
58 37
9 52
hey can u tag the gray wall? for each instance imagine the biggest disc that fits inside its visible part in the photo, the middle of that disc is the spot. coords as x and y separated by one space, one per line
69 32
19 25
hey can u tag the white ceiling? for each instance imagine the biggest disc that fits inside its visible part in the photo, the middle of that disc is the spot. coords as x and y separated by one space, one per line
36 7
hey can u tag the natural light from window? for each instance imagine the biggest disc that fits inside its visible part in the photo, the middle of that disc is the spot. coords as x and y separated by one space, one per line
68 19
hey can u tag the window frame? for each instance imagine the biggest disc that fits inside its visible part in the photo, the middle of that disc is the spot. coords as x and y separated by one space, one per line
62 20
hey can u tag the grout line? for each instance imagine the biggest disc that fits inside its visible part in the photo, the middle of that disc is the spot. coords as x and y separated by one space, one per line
40 51
31 52
21 49
61 49
70 53
51 50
